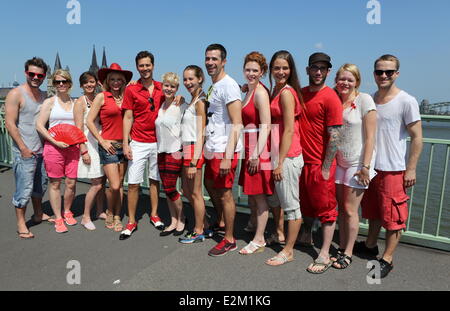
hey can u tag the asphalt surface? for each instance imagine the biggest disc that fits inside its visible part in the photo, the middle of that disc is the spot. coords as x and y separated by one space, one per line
149 262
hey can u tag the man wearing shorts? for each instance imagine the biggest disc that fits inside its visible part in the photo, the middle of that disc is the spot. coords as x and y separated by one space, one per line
223 142
22 107
319 123
385 202
141 103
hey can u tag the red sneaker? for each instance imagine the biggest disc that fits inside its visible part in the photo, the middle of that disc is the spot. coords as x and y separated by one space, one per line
60 227
157 222
222 248
68 218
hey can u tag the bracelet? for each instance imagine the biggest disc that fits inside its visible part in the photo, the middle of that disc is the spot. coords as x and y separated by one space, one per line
83 153
366 166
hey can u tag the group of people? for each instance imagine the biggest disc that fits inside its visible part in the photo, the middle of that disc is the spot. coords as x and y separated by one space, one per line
307 153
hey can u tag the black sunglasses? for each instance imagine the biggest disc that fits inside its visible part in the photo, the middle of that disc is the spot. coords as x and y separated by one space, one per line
57 82
152 103
388 73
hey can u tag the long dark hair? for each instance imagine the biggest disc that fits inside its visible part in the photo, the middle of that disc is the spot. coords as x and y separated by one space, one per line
293 79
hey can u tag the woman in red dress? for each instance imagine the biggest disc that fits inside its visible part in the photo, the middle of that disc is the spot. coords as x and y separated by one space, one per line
256 173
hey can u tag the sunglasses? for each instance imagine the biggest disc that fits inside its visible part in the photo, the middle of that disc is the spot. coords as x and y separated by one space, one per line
152 103
388 73
58 82
33 74
315 68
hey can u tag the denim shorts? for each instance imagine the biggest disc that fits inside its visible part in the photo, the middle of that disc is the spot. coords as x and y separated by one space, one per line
31 178
106 158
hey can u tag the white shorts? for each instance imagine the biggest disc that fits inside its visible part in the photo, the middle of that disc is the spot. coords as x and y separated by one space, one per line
287 191
141 153
345 176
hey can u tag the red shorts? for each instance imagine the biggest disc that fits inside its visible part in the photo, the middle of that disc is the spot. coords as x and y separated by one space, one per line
386 200
212 170
188 155
60 162
317 195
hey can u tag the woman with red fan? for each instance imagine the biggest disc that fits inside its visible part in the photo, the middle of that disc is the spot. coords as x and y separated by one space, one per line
89 165
60 158
108 107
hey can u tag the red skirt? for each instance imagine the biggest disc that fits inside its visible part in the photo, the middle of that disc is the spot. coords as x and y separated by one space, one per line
260 182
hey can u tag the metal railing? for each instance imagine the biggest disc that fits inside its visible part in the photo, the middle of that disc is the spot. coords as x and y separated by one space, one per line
429 206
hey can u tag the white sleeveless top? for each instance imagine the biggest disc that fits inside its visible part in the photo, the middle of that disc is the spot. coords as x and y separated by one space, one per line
60 116
168 128
189 123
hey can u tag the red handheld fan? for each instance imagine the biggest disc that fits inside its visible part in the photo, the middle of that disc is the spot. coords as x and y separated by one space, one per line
67 133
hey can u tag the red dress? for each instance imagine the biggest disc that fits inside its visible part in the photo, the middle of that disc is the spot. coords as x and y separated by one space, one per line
261 182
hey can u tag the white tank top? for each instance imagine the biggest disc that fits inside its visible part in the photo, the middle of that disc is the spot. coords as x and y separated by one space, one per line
189 122
60 116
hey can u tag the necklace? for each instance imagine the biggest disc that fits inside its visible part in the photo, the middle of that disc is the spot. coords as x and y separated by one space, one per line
88 101
118 100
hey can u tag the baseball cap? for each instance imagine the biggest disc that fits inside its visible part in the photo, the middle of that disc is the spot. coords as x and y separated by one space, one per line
319 57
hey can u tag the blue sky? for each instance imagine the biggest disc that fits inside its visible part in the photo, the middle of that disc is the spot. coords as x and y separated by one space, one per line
177 32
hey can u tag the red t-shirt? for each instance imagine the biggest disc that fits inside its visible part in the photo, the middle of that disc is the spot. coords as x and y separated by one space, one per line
276 112
136 98
323 109
111 118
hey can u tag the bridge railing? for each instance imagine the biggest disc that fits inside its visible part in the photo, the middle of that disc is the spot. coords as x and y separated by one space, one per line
429 206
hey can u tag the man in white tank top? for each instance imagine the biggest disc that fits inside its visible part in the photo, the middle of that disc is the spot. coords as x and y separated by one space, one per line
22 106
385 203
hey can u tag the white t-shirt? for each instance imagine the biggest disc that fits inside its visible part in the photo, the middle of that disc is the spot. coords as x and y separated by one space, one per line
350 152
392 120
168 128
219 125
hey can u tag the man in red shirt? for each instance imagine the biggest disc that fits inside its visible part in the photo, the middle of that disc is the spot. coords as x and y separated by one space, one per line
319 123
141 103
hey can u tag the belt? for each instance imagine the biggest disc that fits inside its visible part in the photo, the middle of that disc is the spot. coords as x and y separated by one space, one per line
250 131
117 145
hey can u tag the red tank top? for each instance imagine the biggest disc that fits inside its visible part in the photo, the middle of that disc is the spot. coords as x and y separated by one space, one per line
251 123
277 119
111 118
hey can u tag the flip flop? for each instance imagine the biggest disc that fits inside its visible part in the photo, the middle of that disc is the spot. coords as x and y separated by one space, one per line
27 233
252 248
320 262
49 219
279 259
273 240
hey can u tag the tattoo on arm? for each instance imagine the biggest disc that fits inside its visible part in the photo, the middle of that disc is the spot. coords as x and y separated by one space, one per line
334 134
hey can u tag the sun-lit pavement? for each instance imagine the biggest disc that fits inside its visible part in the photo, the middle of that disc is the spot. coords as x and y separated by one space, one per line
149 262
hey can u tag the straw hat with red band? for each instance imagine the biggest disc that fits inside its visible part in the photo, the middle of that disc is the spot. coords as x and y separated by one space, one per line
103 73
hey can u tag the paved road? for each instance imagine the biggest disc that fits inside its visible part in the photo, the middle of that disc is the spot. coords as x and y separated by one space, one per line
152 263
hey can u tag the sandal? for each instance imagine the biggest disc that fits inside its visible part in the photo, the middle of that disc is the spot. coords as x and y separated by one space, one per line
109 221
118 227
343 260
279 259
25 235
339 252
320 263
274 240
252 248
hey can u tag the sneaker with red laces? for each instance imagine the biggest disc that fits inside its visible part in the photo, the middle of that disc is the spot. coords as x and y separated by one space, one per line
129 229
60 227
222 248
156 221
68 218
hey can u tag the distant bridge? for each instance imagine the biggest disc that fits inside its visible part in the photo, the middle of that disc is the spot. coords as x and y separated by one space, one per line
442 108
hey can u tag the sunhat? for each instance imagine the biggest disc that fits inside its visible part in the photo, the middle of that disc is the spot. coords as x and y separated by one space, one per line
103 73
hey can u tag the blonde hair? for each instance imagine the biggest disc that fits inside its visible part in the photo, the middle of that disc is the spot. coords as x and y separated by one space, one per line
105 83
353 69
171 78
65 74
